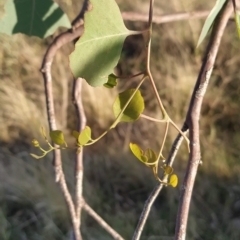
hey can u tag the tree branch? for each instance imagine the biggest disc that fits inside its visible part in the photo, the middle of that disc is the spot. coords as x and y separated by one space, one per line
198 92
132 16
57 43
101 222
193 117
77 100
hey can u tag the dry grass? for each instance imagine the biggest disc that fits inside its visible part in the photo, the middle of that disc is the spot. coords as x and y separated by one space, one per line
116 185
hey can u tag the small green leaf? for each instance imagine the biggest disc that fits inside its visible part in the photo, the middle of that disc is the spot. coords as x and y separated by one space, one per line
112 81
75 134
85 136
134 108
173 181
168 170
35 156
237 20
35 143
57 137
151 157
138 152
210 19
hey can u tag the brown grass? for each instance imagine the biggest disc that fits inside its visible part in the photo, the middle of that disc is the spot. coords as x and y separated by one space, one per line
116 184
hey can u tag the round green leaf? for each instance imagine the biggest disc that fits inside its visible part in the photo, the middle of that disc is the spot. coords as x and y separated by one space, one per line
112 81
173 181
138 152
151 157
57 137
85 136
134 108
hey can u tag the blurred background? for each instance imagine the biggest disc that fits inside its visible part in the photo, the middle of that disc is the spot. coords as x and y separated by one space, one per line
116 184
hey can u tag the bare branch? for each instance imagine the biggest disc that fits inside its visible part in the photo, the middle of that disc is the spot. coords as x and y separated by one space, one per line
146 210
57 43
77 100
193 117
132 16
210 59
101 222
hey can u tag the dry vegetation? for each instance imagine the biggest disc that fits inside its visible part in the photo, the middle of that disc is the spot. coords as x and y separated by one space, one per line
116 184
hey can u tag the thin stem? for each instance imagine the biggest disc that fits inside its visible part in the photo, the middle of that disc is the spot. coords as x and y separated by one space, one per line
160 19
77 100
148 54
150 14
164 139
184 136
130 77
101 222
152 119
116 121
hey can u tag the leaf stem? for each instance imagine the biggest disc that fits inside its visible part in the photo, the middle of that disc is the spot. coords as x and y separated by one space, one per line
130 77
180 131
114 124
153 119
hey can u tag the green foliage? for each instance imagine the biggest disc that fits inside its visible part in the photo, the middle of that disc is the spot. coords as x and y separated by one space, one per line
133 110
98 51
85 136
210 19
150 159
57 137
112 81
167 170
173 181
38 18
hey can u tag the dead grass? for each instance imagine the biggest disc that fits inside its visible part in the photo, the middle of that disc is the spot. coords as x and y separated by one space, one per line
116 185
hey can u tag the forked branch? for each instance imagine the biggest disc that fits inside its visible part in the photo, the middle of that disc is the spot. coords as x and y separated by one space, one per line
191 123
193 116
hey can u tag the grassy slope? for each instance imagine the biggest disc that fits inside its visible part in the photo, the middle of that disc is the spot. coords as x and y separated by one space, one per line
116 185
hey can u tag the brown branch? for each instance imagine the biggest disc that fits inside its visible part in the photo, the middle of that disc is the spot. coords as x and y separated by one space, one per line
57 162
101 222
202 85
132 16
58 42
77 100
193 117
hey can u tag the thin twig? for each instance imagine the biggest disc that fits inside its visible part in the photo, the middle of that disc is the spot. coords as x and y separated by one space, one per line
101 222
77 100
132 16
193 117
